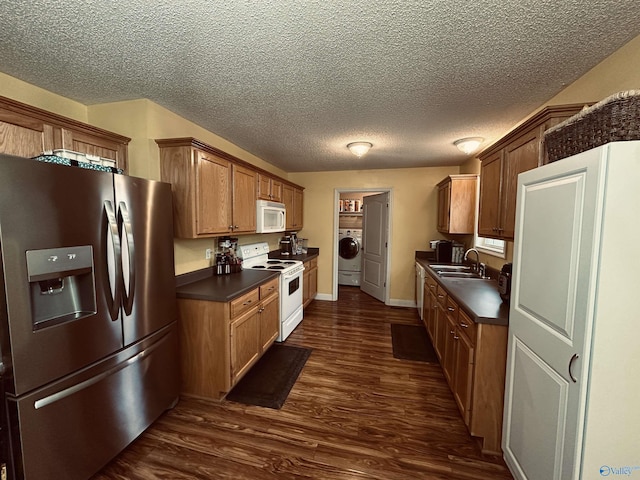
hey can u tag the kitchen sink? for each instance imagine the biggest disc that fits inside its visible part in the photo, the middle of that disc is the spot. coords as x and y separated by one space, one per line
459 274
451 268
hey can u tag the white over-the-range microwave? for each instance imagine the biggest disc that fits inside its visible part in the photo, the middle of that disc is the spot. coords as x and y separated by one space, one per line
270 217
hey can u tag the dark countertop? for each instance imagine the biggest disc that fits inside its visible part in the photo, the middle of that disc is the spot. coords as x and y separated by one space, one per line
203 285
312 253
480 299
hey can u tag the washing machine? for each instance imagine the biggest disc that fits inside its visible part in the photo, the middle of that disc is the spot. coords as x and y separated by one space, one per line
349 256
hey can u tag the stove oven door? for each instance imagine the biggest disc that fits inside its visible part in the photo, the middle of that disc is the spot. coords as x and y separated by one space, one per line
290 302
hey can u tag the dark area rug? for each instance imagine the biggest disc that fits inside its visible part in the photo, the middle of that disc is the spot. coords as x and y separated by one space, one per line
269 381
411 342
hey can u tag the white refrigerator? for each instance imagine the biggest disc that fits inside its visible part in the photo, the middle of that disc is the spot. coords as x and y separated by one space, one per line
573 380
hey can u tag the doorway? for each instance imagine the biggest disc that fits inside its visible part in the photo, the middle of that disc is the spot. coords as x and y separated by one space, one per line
348 222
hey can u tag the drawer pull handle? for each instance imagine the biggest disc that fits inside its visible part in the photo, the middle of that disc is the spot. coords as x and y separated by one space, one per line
451 309
440 296
464 325
247 302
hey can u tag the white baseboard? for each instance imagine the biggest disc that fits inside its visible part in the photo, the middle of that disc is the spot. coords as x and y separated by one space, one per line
395 302
324 296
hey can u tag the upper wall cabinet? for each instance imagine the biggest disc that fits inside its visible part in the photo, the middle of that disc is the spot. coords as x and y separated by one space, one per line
457 204
292 199
269 188
28 131
517 152
214 193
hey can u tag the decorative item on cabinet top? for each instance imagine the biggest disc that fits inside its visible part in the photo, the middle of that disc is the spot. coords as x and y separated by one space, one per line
614 119
27 131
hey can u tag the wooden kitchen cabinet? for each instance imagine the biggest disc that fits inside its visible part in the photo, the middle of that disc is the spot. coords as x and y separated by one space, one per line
268 188
28 131
473 359
449 354
457 204
215 193
310 281
430 305
292 199
441 323
211 195
243 204
201 185
221 341
517 152
464 358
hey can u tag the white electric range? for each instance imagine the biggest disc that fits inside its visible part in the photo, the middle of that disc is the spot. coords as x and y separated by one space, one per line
255 256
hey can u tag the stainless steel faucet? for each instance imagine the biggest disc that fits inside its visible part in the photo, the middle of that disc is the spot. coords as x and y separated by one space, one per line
477 263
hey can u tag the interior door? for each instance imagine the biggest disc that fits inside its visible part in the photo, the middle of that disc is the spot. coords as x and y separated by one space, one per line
375 232
147 255
554 270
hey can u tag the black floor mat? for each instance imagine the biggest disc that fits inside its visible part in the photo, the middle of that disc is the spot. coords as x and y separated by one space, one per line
269 381
411 342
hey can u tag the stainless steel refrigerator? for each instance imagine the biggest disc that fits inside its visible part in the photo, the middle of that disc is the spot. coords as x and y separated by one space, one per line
87 315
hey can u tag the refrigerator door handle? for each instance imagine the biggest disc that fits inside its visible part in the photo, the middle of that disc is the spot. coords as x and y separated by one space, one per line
114 253
573 359
128 259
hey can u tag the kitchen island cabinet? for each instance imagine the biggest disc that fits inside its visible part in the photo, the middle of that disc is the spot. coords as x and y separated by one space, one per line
221 340
517 152
27 131
472 355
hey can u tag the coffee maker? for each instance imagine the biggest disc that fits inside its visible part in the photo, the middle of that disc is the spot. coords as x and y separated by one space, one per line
288 244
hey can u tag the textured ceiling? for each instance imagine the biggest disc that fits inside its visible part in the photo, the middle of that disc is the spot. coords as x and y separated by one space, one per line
294 81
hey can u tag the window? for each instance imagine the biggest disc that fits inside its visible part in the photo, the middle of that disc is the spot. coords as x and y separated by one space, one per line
490 246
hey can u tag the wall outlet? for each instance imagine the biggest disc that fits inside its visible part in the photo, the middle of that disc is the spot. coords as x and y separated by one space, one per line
207 254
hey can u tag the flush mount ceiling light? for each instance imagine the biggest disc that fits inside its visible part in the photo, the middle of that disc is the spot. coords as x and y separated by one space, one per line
468 145
359 148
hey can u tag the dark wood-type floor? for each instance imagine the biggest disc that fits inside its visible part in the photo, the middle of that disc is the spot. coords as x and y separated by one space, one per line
355 413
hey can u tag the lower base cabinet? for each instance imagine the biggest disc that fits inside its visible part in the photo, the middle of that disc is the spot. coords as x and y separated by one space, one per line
220 342
310 281
473 358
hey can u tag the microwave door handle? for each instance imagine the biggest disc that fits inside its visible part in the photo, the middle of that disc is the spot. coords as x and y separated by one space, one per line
128 260
113 253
